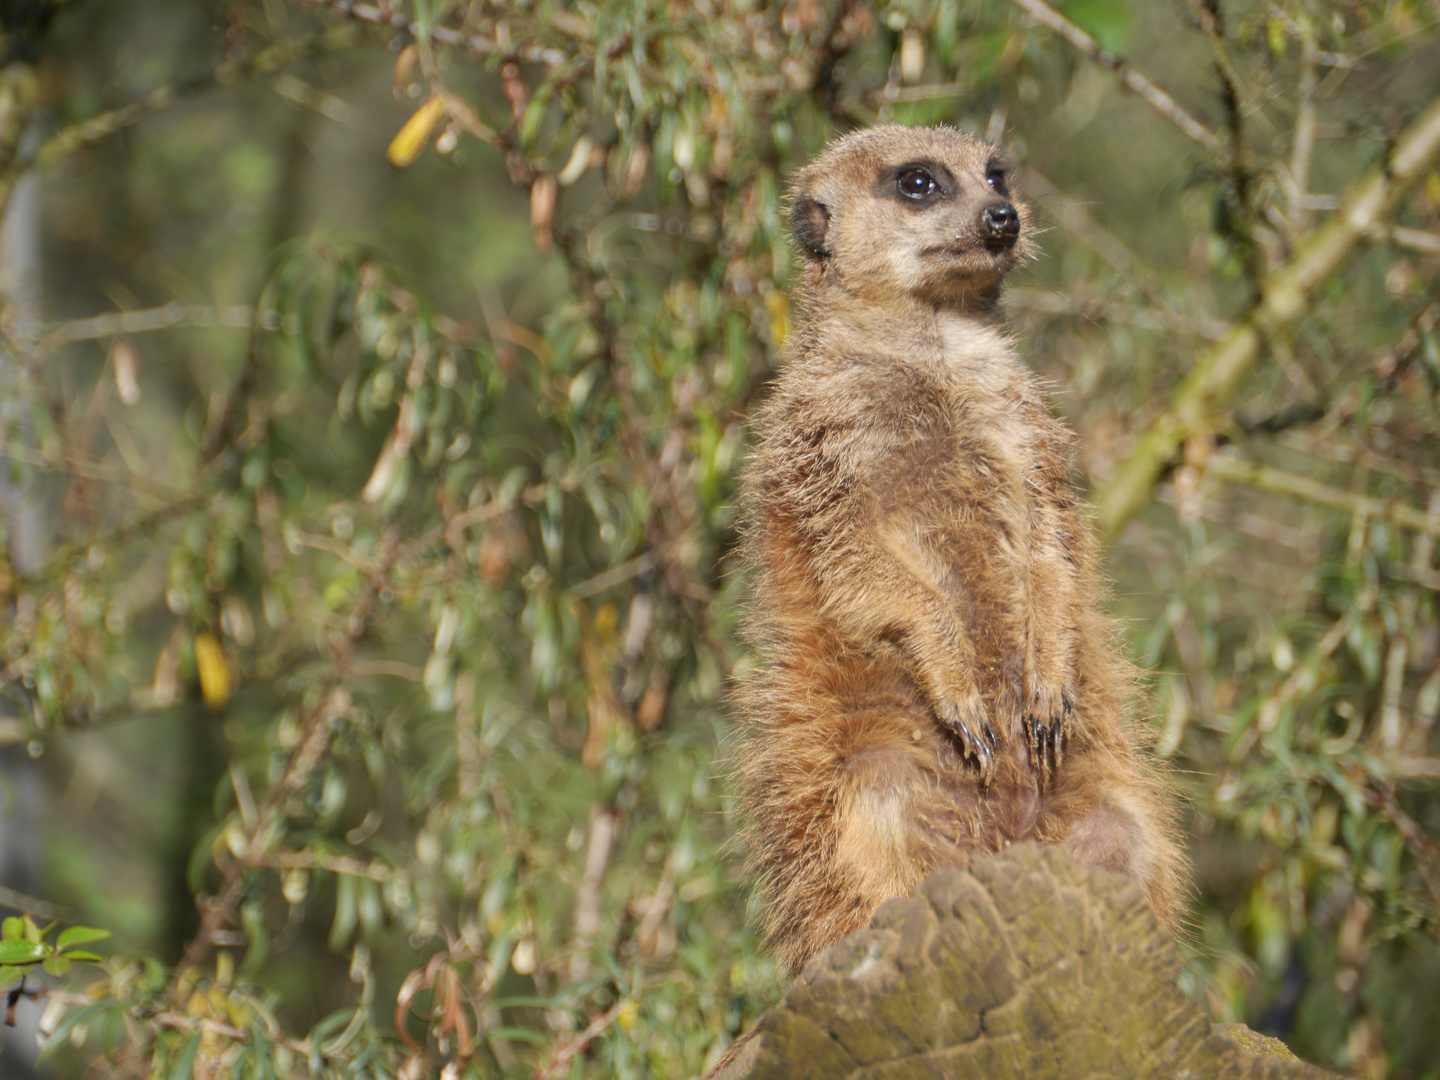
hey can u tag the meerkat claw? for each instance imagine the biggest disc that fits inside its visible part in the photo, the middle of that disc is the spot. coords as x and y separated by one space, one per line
983 752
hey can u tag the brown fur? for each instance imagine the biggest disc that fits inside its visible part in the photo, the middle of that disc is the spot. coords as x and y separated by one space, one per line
936 676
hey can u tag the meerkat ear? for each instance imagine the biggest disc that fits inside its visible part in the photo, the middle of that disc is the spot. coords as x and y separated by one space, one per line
811 222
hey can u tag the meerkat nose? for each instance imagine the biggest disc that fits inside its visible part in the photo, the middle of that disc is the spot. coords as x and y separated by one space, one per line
1003 222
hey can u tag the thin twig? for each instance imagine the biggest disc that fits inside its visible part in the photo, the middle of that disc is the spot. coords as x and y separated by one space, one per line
19 901
475 43
336 864
1075 220
89 468
344 552
1298 178
580 1042
1132 80
1242 220
1427 243
616 575
603 820
105 124
142 321
304 759
1422 847
174 1020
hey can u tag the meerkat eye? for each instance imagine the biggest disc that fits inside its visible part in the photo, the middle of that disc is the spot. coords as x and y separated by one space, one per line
916 183
995 180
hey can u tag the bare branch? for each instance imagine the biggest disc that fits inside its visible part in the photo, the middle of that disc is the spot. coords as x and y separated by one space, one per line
1132 80
102 125
1219 371
580 1042
603 821
171 1019
137 322
1265 478
1075 219
218 913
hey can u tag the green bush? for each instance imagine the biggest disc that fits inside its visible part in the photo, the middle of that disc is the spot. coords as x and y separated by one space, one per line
375 653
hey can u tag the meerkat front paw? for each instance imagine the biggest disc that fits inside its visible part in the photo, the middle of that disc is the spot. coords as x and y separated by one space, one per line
1046 722
966 717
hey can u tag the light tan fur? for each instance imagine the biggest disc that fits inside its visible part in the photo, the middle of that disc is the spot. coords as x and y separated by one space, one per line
937 677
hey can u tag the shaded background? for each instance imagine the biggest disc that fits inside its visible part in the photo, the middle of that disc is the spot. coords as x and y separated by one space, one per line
369 571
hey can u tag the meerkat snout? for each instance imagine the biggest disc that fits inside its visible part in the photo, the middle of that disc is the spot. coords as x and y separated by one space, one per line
1002 222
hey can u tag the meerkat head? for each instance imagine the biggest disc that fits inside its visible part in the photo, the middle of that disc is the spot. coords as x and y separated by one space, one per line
925 212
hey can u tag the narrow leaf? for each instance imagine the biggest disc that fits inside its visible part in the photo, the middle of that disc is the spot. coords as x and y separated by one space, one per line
185 1064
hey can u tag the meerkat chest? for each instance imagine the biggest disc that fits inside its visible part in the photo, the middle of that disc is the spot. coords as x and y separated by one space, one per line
993 404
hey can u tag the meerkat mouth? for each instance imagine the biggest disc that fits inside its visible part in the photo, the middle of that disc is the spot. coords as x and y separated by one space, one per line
992 250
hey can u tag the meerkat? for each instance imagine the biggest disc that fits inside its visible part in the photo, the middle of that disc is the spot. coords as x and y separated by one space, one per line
936 676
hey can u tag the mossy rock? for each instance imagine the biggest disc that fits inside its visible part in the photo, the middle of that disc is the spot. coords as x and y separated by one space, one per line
1024 965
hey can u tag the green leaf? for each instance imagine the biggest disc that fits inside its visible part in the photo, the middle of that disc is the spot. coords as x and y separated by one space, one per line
515 1034
9 975
1107 21
83 954
80 935
185 1064
21 952
13 927
57 965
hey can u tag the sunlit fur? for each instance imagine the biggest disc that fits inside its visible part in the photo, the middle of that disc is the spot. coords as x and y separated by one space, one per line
921 571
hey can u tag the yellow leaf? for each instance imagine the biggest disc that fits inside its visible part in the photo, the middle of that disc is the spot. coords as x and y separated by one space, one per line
214 674
628 1014
778 307
406 145
1275 31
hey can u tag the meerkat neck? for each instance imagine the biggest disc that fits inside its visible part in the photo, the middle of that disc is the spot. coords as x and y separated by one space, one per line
911 329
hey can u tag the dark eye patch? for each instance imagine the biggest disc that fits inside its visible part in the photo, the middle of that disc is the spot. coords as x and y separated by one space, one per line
995 178
916 183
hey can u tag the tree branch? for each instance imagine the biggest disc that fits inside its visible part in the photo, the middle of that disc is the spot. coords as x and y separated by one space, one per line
162 97
1219 371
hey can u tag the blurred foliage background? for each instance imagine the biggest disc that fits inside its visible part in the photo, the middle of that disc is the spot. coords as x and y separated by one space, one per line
373 383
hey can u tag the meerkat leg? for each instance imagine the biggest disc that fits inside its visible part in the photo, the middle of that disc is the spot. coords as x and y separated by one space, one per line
1120 823
844 786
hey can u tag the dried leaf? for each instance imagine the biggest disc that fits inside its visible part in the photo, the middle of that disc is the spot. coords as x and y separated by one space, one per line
542 211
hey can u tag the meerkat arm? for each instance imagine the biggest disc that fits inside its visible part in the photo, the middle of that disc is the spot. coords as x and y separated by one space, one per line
1055 599
881 552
